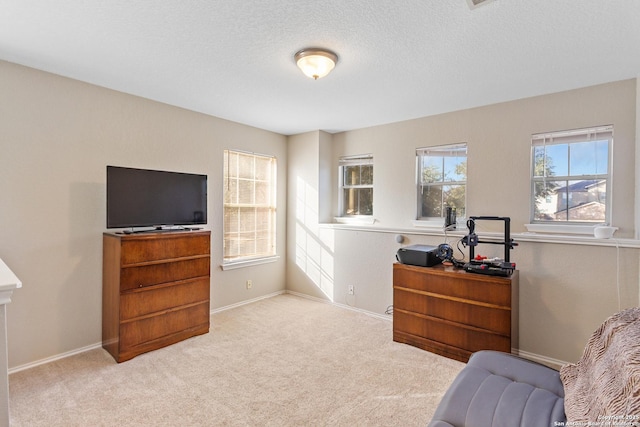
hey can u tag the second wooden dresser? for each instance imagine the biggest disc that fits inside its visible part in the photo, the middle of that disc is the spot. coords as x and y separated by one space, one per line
155 290
454 313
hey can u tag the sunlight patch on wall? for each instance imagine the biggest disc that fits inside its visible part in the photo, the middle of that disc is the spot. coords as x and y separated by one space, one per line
314 247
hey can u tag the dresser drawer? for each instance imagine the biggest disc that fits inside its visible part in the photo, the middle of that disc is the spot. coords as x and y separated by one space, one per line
145 249
139 302
139 332
469 339
466 312
153 274
485 289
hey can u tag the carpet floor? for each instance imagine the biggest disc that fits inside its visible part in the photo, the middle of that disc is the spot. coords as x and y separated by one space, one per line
281 361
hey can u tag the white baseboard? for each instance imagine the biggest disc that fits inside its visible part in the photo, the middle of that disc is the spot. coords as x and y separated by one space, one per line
298 294
53 358
348 307
548 361
249 301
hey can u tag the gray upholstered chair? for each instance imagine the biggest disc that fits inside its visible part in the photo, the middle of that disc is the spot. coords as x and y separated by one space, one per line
500 389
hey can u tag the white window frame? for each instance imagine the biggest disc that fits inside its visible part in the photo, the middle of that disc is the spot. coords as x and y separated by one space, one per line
234 240
567 137
438 151
359 160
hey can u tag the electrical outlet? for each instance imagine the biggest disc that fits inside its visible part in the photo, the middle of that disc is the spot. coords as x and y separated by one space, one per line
249 284
350 291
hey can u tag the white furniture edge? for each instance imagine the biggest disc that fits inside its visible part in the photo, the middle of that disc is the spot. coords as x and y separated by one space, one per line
8 283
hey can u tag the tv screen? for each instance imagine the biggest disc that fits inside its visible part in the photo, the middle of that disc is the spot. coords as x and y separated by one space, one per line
151 198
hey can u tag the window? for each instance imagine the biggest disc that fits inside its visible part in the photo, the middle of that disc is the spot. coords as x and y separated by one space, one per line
249 205
442 180
356 186
570 176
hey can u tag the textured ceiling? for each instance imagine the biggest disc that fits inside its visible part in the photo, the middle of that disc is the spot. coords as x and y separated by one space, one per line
398 59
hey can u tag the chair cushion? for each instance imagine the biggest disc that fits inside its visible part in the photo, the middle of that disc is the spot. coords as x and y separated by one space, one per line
500 389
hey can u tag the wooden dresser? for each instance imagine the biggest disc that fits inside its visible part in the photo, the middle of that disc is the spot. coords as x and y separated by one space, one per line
155 290
454 313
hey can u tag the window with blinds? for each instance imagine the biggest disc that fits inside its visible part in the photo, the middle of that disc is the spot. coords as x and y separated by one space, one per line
571 176
249 205
442 180
356 185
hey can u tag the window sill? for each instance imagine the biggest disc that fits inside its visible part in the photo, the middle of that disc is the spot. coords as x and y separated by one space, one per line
355 220
233 265
438 224
429 223
565 239
575 239
561 229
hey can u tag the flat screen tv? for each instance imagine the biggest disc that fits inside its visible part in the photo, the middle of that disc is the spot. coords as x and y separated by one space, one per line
152 198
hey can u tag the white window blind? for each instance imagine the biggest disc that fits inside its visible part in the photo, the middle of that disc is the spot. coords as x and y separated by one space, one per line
249 205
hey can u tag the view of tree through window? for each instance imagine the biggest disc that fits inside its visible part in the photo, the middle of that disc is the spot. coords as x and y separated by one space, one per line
356 177
442 180
571 175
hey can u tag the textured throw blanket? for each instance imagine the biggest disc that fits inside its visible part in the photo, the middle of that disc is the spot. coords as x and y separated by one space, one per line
604 386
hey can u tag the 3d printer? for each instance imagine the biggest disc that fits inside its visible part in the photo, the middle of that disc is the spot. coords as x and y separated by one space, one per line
495 266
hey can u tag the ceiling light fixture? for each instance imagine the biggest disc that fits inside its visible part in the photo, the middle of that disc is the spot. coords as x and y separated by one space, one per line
316 62
477 3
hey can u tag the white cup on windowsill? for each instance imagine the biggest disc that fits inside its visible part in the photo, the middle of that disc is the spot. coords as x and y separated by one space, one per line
604 231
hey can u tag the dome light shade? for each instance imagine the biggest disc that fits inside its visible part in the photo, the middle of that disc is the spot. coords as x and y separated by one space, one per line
316 63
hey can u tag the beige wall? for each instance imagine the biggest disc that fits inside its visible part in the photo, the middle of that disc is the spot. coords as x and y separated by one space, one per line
566 289
56 137
499 144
